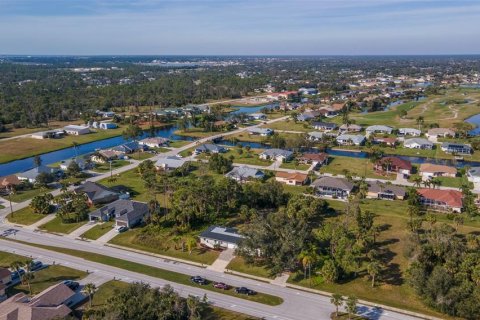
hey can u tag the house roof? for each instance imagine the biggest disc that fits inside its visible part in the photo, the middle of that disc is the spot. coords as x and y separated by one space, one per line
329 125
350 127
431 167
154 140
296 176
331 182
455 145
396 162
409 130
440 131
74 127
4 272
321 157
355 138
244 172
95 191
474 171
419 141
9 181
52 296
316 134
387 140
380 187
230 235
123 210
378 128
33 173
170 162
452 198
260 130
277 152
209 147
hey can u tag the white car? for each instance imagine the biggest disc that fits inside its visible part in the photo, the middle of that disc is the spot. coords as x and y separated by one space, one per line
121 229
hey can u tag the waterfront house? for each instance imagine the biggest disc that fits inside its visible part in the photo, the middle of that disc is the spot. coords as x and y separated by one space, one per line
385 191
409 132
418 143
129 147
126 213
324 126
32 174
331 187
317 159
75 130
82 163
96 193
244 173
473 175
155 142
459 148
260 131
210 148
349 128
220 237
378 129
430 170
350 139
390 142
169 163
315 136
393 164
291 178
441 200
9 182
276 154
107 125
435 133
257 116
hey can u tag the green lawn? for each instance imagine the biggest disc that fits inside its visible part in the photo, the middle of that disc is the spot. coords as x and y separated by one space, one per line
105 167
456 182
25 216
131 182
245 157
57 226
359 167
178 143
98 231
291 165
163 243
238 264
388 118
196 133
6 258
22 195
156 272
289 125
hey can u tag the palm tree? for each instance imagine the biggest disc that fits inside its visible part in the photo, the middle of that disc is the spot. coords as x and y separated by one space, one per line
16 266
351 305
373 270
420 121
89 289
417 181
337 301
191 244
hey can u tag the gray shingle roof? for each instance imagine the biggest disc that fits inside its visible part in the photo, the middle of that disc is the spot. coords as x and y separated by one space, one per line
332 182
272 153
122 210
172 162
245 172
377 187
33 173
95 191
222 234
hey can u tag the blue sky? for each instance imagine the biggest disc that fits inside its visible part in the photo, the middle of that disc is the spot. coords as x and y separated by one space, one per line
239 27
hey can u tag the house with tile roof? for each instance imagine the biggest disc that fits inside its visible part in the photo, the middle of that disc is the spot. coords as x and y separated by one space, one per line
393 164
431 170
291 178
441 200
332 187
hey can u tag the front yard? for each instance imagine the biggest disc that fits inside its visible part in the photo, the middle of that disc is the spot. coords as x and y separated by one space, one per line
57 226
359 167
25 216
98 230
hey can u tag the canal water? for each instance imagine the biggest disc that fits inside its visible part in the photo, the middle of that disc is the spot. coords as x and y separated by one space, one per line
475 120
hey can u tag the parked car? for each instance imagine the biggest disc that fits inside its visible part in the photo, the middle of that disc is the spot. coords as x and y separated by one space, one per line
71 284
18 274
199 280
244 290
121 229
221 285
36 265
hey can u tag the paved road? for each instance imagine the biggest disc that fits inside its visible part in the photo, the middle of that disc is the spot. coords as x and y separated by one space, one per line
297 304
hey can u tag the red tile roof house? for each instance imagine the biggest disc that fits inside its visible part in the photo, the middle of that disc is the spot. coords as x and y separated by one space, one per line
441 200
391 142
393 164
293 179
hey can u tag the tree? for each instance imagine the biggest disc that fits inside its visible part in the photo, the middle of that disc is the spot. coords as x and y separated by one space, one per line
73 169
29 275
219 163
417 180
329 271
373 269
191 244
89 289
43 179
16 266
337 300
132 132
351 305
41 204
37 161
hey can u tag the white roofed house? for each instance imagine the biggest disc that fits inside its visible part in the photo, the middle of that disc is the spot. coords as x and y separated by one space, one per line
76 130
315 136
418 143
32 174
257 116
324 126
378 129
350 128
458 148
276 154
155 142
409 132
473 174
169 163
260 131
435 133
350 139
220 237
244 173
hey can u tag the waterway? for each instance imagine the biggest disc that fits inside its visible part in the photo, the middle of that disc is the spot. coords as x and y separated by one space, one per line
475 120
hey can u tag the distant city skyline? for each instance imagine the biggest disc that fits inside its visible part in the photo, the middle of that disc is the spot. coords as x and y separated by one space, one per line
239 27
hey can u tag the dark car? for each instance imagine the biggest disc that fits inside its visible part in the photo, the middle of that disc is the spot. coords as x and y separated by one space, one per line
36 265
71 284
220 285
244 290
199 280
18 274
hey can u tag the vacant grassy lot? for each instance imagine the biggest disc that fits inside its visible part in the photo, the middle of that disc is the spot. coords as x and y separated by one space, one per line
388 118
57 226
356 166
238 264
164 244
128 181
155 272
6 258
289 125
196 133
25 216
27 147
98 231
291 165
22 195
247 157
178 143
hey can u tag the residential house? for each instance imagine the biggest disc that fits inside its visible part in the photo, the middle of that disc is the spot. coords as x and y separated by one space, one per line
458 148
127 213
315 136
210 148
129 147
107 125
378 129
308 91
257 116
75 130
282 95
49 304
418 143
104 156
82 163
96 193
385 191
244 173
473 175
328 112
170 163
435 133
5 280
317 159
350 139
441 200
264 132
333 187
291 178
220 237
409 132
430 170
276 154
390 142
324 126
32 174
393 164
350 128
9 182
308 115
155 142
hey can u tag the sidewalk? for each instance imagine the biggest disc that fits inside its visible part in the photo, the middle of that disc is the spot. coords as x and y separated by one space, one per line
40 222
79 231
